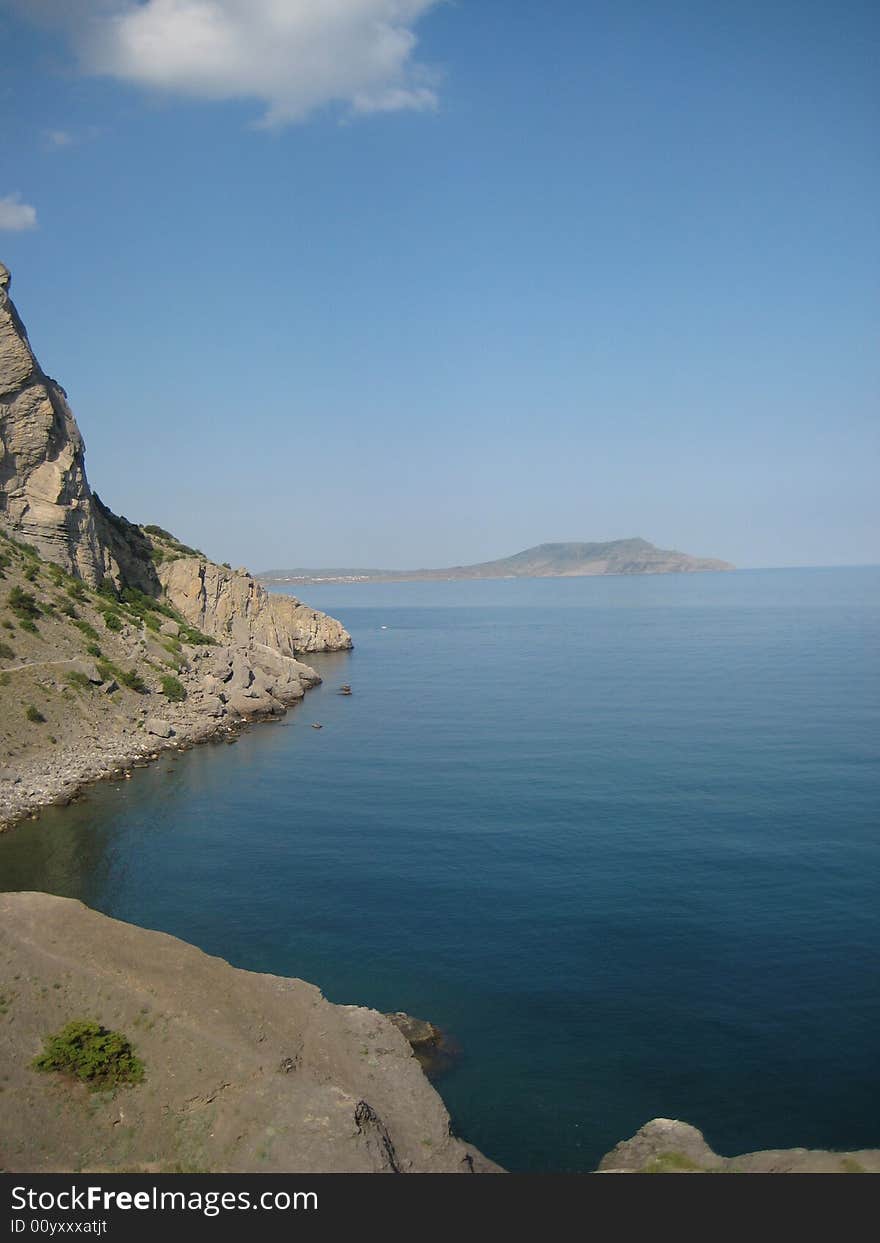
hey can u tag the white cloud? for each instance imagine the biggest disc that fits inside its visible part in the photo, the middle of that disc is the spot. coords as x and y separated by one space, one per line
291 55
15 215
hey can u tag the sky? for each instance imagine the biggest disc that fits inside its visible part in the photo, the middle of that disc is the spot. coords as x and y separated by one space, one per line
398 283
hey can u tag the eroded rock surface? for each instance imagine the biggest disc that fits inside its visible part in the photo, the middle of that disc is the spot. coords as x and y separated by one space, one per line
44 493
231 606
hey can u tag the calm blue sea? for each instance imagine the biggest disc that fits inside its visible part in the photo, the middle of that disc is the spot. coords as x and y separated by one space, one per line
619 835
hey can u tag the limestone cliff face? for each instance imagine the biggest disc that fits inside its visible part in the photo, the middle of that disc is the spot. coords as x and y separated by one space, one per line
44 493
231 606
46 501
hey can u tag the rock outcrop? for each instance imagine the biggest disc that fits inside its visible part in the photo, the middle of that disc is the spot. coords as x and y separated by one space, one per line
44 493
667 1146
45 500
243 1072
231 606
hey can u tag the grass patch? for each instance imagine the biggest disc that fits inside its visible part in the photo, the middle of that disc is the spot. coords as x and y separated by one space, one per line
673 1163
88 630
34 715
94 650
173 689
190 635
98 1057
78 680
6 652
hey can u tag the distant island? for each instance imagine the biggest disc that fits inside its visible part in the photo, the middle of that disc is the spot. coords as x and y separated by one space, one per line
573 560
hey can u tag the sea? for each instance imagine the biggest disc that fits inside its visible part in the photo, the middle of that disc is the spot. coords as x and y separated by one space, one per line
618 836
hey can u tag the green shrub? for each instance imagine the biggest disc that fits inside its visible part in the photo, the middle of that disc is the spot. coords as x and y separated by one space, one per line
189 634
112 621
7 624
133 680
31 572
6 652
173 689
108 591
93 649
100 1058
88 630
29 626
66 607
78 680
34 715
23 604
76 591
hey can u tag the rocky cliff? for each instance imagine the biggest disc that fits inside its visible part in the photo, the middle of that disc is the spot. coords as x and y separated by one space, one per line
44 493
231 606
46 501
243 1072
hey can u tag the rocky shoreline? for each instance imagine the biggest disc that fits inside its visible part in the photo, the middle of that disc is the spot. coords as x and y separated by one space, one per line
61 773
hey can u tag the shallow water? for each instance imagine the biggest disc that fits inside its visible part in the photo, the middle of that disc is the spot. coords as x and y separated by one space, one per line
620 836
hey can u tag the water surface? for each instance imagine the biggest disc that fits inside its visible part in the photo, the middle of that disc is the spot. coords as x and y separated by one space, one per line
619 835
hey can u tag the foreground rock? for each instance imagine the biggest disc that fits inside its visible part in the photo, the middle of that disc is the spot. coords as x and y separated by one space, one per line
244 1072
666 1146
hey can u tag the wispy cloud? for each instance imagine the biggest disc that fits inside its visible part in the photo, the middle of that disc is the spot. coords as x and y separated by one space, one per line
16 216
293 56
59 138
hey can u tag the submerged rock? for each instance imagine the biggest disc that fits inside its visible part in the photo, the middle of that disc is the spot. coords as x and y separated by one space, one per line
434 1049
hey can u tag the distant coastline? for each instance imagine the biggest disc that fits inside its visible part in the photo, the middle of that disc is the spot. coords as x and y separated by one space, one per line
561 560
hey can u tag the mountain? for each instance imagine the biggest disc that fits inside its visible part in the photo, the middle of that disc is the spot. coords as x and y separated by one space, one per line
572 560
118 640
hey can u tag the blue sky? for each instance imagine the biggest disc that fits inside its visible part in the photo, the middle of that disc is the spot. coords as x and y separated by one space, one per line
397 283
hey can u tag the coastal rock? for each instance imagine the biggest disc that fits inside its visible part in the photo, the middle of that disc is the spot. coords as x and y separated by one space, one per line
667 1146
231 606
160 729
44 494
433 1049
244 1072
